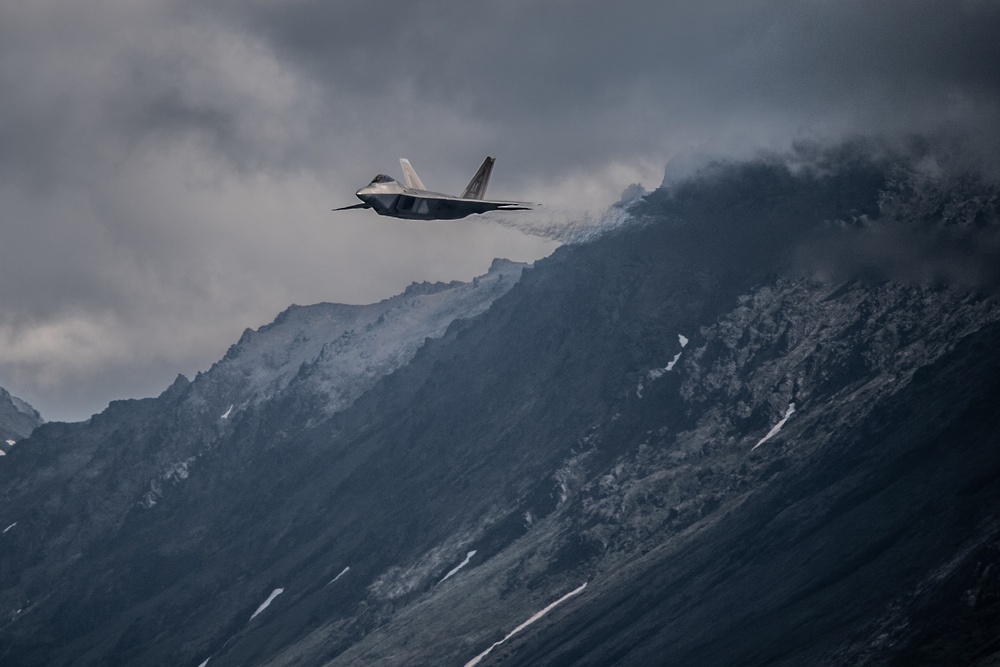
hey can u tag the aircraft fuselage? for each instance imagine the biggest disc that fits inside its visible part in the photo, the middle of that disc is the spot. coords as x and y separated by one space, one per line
387 197
394 200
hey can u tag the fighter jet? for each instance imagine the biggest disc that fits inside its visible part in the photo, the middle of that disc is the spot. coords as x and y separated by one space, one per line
414 202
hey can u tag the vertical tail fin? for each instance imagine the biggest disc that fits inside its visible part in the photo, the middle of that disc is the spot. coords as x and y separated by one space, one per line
410 175
477 186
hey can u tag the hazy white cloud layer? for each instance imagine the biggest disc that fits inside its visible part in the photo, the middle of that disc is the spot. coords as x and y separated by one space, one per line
167 167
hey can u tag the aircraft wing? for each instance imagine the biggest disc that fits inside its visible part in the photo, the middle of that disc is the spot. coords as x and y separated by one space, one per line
495 205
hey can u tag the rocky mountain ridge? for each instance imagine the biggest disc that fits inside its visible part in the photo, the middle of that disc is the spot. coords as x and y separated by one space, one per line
335 352
693 440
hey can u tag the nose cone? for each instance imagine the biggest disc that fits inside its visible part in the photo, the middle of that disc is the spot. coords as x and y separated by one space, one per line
366 194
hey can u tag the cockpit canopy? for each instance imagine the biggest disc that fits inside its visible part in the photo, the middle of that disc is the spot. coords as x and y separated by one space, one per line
382 178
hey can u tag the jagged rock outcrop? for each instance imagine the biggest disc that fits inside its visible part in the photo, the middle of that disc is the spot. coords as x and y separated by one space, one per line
17 420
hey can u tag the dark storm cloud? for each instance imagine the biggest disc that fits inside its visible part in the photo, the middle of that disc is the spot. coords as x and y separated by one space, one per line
580 81
167 168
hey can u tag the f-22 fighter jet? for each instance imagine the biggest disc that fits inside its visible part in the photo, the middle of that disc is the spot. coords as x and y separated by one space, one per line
414 202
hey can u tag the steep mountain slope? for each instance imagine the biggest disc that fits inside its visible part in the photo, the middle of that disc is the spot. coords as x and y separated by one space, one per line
727 433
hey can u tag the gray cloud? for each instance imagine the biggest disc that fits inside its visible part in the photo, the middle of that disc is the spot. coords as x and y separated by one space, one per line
167 168
591 78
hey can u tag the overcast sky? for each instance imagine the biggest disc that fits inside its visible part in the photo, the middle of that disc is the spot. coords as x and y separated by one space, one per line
167 167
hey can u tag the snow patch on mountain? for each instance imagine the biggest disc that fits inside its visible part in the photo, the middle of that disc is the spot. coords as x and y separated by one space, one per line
777 427
404 578
266 603
454 570
657 373
342 573
534 617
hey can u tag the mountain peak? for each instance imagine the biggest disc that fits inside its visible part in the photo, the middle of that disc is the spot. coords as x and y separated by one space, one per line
338 351
17 419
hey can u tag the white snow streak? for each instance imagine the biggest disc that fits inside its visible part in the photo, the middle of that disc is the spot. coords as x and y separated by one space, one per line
342 573
3 453
228 412
673 362
575 591
264 605
11 442
9 527
777 427
657 373
458 567
204 663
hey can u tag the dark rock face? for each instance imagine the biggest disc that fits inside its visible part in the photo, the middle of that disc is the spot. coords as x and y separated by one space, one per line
748 455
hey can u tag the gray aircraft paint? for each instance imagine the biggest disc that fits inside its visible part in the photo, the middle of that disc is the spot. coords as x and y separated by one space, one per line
386 196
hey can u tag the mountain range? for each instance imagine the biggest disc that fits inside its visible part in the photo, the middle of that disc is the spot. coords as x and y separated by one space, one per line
753 423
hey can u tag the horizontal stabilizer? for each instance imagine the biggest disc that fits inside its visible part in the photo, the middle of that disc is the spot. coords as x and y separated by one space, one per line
477 186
